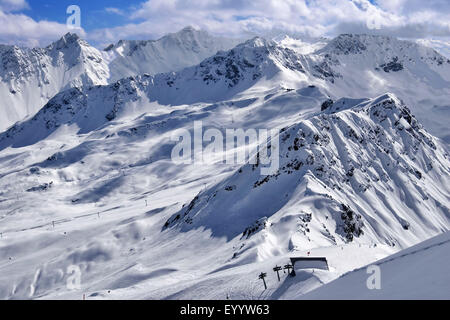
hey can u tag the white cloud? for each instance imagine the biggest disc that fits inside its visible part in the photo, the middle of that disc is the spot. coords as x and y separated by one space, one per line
115 11
443 46
406 18
13 5
22 30
416 19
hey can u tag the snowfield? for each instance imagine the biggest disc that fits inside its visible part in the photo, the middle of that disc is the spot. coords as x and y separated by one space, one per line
419 272
88 186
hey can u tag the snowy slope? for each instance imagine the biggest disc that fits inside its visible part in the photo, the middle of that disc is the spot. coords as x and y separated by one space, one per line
256 65
372 65
360 178
370 173
420 272
352 66
110 192
245 71
114 170
300 45
172 52
30 77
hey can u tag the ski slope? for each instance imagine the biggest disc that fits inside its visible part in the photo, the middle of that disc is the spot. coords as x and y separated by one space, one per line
88 180
420 272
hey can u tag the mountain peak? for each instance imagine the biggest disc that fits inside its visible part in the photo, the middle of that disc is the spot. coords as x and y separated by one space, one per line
188 29
188 32
259 42
70 36
389 98
173 52
350 44
346 44
66 41
376 106
342 104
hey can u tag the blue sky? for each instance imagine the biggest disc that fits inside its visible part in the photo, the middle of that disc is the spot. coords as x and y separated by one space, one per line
94 12
38 22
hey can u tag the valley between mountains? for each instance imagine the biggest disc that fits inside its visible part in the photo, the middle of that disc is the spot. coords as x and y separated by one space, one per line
87 178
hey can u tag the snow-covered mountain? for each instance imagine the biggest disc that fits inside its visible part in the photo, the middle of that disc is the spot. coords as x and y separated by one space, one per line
355 66
368 173
219 78
306 46
416 273
172 52
358 65
359 177
355 179
364 65
30 77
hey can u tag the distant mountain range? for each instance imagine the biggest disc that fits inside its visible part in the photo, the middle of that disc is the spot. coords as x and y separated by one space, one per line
87 178
30 77
354 66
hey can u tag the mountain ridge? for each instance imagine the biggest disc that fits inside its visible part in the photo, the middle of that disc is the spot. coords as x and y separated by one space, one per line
30 77
170 53
352 165
360 177
389 64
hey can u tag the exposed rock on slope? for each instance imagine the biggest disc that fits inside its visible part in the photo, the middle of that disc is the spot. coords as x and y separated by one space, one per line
369 173
30 77
172 52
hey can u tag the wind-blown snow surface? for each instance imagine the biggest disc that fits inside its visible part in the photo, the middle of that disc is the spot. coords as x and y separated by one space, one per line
369 173
95 185
103 224
88 181
420 272
303 47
